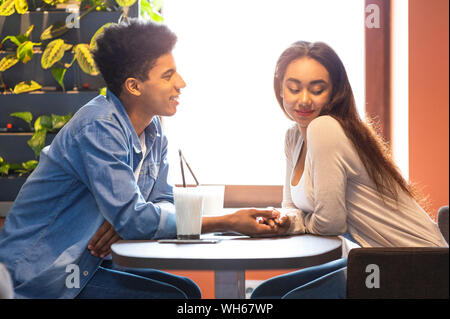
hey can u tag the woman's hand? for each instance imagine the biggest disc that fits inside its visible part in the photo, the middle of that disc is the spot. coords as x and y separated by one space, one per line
100 244
281 223
259 222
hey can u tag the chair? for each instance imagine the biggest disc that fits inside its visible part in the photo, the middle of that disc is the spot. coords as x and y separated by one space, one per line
6 286
398 273
442 220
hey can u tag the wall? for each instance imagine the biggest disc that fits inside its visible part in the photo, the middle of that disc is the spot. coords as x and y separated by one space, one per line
429 99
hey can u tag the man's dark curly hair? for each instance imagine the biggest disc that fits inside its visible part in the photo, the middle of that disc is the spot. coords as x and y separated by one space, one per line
131 50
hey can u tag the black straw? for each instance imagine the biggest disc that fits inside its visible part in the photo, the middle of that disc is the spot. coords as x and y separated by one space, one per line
182 169
190 170
183 159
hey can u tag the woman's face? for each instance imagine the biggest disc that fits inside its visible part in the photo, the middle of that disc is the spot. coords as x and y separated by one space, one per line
305 90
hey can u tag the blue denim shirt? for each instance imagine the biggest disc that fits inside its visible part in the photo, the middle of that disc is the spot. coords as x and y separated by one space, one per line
84 177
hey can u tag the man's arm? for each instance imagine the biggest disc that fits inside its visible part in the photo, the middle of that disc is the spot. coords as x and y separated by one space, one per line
104 168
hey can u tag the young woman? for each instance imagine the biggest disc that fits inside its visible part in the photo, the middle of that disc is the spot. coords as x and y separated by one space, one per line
340 179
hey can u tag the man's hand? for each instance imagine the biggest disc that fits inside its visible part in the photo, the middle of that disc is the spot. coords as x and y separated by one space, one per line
100 244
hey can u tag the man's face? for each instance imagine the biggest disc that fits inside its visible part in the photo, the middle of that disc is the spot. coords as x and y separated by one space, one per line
159 94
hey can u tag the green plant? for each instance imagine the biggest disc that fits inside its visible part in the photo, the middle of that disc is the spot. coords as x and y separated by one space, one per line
23 168
8 7
24 53
42 125
151 9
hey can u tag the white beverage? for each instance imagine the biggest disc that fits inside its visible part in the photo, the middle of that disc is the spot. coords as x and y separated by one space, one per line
189 208
213 202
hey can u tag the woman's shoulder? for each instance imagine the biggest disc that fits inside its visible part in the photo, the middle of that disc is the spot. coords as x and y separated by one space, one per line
326 131
325 122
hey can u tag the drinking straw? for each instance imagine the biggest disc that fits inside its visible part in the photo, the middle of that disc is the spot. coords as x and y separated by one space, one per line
190 170
182 169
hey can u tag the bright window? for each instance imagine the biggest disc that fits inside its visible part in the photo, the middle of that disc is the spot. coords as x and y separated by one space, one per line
228 124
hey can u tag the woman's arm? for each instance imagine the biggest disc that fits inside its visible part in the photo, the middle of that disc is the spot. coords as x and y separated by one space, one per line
328 158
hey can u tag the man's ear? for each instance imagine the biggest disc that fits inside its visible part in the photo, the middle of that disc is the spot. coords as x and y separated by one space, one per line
131 85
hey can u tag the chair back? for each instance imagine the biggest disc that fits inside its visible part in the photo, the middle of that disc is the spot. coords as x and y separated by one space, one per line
398 273
442 220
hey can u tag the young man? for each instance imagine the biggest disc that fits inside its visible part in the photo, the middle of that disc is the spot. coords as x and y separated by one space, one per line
103 178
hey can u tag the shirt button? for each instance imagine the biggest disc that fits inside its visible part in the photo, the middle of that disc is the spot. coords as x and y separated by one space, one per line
85 273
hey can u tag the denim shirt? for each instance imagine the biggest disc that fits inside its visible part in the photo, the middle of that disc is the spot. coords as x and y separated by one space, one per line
86 176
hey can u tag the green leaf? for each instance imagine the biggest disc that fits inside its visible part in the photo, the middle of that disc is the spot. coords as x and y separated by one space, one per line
55 30
30 165
21 6
125 3
157 4
43 122
59 121
15 166
1 159
93 43
26 86
26 116
25 51
37 142
14 39
152 12
53 53
103 91
8 61
58 75
28 32
4 169
85 59
7 8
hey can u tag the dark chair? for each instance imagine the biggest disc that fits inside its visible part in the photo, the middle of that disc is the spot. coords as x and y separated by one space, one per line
442 220
398 273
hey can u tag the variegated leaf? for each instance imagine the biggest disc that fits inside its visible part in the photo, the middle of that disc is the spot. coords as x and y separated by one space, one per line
21 6
53 53
8 61
93 43
55 30
125 3
25 51
85 59
26 86
29 30
7 8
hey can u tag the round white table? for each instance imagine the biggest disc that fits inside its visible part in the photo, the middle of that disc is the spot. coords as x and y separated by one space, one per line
229 257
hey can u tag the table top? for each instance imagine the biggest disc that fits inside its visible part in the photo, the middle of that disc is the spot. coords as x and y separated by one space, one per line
230 253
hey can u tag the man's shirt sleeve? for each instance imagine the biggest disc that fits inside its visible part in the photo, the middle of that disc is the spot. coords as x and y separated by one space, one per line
107 172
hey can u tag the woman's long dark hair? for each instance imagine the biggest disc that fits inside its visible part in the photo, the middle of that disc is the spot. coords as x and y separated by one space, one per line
370 147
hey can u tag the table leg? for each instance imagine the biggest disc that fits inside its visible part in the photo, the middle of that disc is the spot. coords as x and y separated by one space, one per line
230 284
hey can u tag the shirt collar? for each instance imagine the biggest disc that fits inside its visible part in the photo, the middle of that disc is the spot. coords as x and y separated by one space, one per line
151 131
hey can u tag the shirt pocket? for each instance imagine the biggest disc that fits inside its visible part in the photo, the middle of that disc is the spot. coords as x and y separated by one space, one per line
147 177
